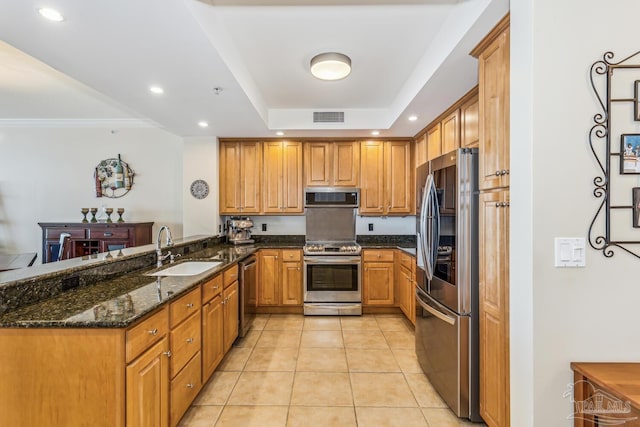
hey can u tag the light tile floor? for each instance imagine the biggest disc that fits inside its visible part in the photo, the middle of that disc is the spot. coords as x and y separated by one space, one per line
292 370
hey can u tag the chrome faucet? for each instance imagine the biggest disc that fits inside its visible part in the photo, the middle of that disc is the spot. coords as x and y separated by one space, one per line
169 243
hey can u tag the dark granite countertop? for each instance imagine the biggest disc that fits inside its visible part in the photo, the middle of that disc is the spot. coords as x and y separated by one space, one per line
118 291
120 301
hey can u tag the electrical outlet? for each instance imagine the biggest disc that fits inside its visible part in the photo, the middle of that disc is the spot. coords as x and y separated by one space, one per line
370 227
219 228
264 227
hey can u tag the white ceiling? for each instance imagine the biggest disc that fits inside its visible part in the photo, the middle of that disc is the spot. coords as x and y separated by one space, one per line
95 67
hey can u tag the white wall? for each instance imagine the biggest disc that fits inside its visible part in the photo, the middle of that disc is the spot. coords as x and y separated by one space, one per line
201 216
562 315
46 175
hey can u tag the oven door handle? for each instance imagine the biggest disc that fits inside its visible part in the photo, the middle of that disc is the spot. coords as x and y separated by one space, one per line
338 260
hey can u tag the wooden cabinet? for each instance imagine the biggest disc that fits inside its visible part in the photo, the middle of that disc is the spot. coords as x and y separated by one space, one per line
280 277
331 164
386 178
240 177
92 238
405 285
434 141
148 387
493 59
493 78
231 300
451 132
469 123
421 149
212 326
494 307
282 177
378 277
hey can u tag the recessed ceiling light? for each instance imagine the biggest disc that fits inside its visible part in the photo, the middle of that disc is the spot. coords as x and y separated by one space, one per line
280 133
413 118
51 14
203 124
375 133
156 89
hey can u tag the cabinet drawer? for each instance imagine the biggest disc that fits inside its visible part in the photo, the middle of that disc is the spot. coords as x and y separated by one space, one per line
109 233
185 342
185 388
76 233
145 333
378 256
212 288
230 275
184 307
290 255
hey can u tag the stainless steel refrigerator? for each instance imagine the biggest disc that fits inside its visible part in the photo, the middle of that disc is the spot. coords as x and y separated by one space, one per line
447 278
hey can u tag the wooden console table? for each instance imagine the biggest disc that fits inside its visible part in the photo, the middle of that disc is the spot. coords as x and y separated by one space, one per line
606 394
92 238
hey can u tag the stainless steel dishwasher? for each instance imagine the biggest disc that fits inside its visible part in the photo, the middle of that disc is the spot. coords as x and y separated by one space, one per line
248 293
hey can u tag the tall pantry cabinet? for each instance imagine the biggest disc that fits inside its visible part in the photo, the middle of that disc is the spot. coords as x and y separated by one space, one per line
493 60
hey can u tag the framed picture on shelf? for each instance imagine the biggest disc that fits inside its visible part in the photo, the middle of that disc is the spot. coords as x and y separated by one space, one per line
636 100
630 153
636 207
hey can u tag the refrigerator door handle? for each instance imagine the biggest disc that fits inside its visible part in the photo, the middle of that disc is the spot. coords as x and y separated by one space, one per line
434 311
429 213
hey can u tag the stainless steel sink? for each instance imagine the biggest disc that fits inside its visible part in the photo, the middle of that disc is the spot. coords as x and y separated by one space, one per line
189 268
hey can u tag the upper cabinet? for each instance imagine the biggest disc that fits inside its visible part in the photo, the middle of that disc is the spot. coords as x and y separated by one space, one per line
469 125
434 141
240 173
493 77
421 149
451 132
331 164
386 178
282 177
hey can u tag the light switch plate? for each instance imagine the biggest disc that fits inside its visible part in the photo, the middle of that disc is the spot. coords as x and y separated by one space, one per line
570 251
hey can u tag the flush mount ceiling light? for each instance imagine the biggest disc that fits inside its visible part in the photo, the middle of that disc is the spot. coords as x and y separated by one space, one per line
51 14
330 66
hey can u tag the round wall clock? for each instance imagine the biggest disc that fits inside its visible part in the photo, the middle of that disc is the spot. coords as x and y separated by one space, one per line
199 189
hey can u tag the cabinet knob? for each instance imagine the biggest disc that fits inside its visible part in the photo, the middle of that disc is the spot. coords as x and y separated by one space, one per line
216 287
190 305
498 173
497 204
505 171
189 340
167 353
153 332
223 301
189 385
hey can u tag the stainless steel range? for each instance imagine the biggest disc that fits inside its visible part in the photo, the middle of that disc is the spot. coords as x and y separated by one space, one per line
332 261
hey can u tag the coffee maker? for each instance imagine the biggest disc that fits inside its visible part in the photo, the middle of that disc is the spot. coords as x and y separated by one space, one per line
239 230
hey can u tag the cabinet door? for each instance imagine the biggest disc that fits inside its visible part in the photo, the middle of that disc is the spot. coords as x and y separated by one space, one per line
317 164
292 185
272 177
291 283
399 178
421 150
378 283
404 284
434 142
372 177
148 388
494 112
229 163
346 164
469 123
451 132
268 277
494 307
212 336
231 300
250 176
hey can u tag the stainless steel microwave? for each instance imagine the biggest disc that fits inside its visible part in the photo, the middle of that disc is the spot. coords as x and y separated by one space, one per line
318 197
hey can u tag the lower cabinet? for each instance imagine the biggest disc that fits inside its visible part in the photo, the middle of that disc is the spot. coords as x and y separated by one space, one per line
148 387
230 301
405 285
280 277
212 335
378 277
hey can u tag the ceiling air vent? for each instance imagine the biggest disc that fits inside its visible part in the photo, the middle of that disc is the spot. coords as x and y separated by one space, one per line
328 117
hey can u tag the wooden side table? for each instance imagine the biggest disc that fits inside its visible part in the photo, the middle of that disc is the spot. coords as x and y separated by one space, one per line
606 394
